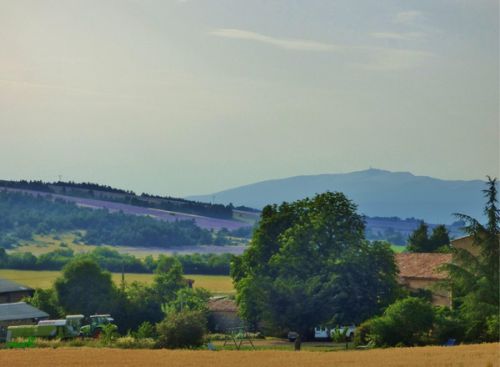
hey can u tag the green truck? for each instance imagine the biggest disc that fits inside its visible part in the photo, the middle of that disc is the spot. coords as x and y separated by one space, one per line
96 325
67 328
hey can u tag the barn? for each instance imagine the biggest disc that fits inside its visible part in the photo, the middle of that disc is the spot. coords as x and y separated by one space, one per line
18 313
13 292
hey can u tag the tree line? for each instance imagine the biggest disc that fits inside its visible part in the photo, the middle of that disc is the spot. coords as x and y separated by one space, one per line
23 215
97 191
113 261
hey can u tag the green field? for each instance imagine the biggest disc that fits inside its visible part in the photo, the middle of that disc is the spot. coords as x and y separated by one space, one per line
398 249
218 284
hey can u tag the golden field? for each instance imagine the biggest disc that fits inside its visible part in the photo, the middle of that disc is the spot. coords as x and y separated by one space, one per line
219 284
483 355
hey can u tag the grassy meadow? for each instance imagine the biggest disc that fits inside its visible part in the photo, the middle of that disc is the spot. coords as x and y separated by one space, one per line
41 244
477 355
218 284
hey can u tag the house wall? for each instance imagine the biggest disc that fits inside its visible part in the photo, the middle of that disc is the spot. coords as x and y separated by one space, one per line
220 321
439 297
12 297
466 244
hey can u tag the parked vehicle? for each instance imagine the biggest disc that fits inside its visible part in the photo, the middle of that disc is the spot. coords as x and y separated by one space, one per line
321 332
292 335
63 329
96 325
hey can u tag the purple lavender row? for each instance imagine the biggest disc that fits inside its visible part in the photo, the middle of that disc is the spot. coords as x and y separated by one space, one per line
202 222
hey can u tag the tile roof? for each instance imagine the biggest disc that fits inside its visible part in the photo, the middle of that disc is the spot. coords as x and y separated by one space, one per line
8 286
20 311
422 265
222 305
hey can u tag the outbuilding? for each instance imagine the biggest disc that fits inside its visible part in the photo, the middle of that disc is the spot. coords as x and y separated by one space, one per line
13 292
19 313
223 314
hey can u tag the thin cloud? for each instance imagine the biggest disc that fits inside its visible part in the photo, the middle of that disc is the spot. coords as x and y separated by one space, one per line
409 36
408 17
284 43
372 58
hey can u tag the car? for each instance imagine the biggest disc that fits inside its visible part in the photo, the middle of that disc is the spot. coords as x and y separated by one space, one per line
321 332
292 336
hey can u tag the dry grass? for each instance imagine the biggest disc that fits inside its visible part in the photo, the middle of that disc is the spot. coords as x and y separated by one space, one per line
467 356
42 244
219 284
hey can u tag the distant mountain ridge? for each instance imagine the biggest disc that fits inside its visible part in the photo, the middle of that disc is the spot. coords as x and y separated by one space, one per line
376 192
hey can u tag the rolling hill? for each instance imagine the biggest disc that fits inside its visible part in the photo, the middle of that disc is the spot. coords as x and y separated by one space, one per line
378 193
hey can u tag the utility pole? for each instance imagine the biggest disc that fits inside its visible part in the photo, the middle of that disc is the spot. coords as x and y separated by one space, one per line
123 276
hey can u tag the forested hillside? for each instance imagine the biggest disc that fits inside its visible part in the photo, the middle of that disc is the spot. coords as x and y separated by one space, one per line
108 193
23 215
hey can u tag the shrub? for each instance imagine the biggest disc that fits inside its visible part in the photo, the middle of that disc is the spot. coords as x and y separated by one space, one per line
361 336
109 333
447 325
184 329
493 328
128 342
145 330
407 322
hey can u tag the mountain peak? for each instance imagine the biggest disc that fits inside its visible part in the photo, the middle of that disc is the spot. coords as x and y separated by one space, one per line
378 171
377 192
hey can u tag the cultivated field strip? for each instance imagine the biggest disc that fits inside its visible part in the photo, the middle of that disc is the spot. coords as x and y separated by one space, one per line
484 355
220 284
168 216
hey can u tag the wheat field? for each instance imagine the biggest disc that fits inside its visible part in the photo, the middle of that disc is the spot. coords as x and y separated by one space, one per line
483 355
217 284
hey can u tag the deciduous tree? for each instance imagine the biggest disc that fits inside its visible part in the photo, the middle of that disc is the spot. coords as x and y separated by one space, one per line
308 264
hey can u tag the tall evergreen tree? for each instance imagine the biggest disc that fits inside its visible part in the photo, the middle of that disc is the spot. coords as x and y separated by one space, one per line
419 239
475 280
440 238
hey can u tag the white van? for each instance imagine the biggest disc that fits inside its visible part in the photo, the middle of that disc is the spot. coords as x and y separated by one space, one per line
321 332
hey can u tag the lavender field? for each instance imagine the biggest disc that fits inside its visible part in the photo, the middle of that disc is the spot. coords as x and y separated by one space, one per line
168 216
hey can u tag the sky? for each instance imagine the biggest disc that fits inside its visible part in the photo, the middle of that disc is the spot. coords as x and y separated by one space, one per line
191 97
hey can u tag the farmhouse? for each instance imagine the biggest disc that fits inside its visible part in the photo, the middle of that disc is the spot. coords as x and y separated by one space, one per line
421 271
19 313
223 314
13 292
466 243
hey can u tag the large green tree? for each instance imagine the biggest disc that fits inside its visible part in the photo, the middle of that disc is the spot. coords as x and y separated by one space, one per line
308 264
473 280
85 288
168 279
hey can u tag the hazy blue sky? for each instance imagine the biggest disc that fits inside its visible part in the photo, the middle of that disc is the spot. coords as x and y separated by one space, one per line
195 96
